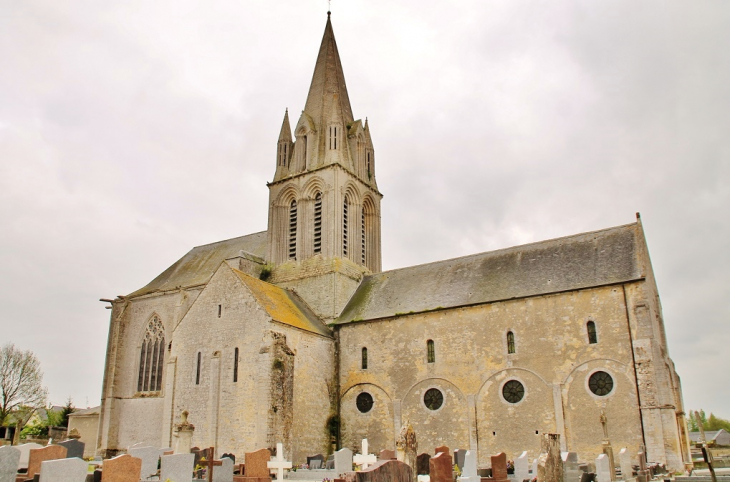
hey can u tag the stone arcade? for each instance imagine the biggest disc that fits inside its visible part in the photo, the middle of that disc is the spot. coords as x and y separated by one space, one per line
274 336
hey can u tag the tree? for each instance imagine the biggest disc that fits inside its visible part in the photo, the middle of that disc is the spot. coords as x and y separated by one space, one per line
68 409
709 424
20 384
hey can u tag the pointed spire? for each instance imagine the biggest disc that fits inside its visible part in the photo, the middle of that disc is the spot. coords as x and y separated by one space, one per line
285 134
328 92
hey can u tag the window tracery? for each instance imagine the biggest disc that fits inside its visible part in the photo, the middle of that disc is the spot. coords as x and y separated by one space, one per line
151 357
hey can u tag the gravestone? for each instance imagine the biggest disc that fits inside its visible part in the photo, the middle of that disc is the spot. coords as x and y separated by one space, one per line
442 448
459 455
330 464
37 456
571 469
522 467
499 467
469 472
364 459
603 468
183 435
316 464
279 463
123 468
177 467
343 461
74 448
256 465
407 447
196 451
224 473
9 459
533 469
25 453
150 457
386 454
422 464
314 458
441 468
382 471
137 445
549 463
643 474
624 459
588 477
64 470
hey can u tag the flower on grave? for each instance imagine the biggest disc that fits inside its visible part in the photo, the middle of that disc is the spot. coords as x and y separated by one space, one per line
510 465
457 470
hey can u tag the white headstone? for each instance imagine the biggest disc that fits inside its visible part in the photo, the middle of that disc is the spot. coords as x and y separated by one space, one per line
279 463
624 460
533 472
424 478
25 453
469 469
343 461
64 470
571 470
150 456
603 468
9 458
178 467
364 459
522 467
223 473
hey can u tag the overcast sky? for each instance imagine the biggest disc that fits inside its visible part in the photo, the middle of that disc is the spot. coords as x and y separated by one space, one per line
132 131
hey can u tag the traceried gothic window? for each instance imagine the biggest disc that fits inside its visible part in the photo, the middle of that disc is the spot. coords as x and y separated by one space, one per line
293 230
345 211
513 391
318 223
151 357
431 351
592 335
364 402
510 342
364 358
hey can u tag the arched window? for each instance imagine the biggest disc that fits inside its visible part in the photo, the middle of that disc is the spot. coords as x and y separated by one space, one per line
151 357
510 342
345 209
293 230
431 350
197 370
235 365
592 335
318 223
364 358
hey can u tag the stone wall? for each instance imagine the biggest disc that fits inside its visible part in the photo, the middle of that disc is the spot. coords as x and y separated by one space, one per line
553 361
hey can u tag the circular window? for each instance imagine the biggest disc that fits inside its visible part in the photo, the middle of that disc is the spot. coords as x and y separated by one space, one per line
600 383
364 402
513 391
433 399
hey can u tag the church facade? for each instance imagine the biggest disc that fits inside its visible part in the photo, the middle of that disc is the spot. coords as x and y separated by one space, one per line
296 335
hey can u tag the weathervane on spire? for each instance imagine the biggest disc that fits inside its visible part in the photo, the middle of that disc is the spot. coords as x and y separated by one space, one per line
329 7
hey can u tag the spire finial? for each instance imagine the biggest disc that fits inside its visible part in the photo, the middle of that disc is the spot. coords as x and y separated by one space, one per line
329 8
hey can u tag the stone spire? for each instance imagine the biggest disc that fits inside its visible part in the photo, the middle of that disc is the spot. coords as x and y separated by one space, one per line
285 134
327 99
284 148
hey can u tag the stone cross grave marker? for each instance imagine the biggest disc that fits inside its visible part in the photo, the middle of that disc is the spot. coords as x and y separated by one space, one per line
123 468
25 453
150 456
225 472
279 463
74 448
210 463
441 468
624 460
469 472
177 467
37 456
364 459
343 461
522 467
64 470
603 468
9 459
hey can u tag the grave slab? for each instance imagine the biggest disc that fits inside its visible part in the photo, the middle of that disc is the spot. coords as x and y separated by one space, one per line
38 456
150 457
522 467
74 448
441 468
123 468
177 467
9 459
25 453
64 470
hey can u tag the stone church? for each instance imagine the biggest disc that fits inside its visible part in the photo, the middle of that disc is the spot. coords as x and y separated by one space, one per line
296 335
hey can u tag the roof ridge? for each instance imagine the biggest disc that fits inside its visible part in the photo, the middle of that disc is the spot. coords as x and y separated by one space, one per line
228 239
501 250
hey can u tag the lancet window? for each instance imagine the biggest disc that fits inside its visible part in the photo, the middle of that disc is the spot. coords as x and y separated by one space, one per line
431 351
293 230
318 223
345 211
235 365
592 335
151 358
364 358
510 342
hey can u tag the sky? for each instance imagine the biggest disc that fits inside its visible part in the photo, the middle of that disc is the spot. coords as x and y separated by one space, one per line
132 131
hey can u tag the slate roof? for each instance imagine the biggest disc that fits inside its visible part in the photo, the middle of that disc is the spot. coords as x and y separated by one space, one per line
709 435
283 305
199 264
574 262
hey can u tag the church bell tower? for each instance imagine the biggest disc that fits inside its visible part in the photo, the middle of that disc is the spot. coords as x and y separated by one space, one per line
324 203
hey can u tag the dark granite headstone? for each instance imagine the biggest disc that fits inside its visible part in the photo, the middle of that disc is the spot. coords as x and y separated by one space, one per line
74 448
382 471
422 464
97 475
459 455
587 477
319 457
